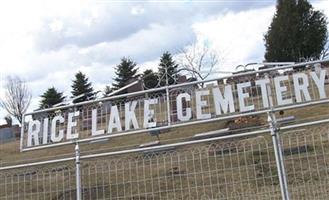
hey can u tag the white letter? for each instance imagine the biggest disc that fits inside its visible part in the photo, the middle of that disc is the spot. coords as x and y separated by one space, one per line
114 119
33 133
280 89
149 114
179 103
130 115
200 104
223 103
262 83
94 130
55 138
242 96
301 87
45 131
320 82
71 124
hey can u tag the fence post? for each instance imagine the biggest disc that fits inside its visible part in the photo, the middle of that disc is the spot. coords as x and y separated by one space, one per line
77 171
277 145
168 105
167 97
278 155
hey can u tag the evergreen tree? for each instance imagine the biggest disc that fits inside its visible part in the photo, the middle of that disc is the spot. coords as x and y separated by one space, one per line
51 97
81 86
126 72
150 79
167 62
297 32
9 120
107 90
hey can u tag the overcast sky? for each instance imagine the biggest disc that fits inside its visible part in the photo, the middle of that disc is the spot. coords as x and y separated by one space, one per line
46 43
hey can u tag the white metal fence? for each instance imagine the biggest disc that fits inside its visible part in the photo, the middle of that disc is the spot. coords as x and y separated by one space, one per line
269 160
236 168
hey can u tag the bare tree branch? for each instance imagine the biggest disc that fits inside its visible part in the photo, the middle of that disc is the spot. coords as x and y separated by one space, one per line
17 97
197 59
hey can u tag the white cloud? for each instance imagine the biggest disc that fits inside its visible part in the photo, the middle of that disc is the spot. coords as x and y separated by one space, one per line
56 26
137 10
47 42
237 37
322 6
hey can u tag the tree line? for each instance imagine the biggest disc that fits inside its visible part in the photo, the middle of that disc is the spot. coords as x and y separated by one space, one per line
126 71
297 33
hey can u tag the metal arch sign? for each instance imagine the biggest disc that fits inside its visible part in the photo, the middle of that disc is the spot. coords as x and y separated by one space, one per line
173 106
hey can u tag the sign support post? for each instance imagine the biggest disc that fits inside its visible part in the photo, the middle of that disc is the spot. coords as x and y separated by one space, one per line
167 97
278 156
274 130
77 171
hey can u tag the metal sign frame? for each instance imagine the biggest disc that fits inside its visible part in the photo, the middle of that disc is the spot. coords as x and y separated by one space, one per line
169 124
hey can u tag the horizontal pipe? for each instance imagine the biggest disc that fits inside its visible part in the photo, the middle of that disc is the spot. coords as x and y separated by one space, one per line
176 86
166 145
304 124
124 87
37 163
49 145
178 125
275 63
306 104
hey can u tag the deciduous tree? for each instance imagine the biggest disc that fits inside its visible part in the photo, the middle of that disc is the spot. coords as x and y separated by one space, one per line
16 98
199 60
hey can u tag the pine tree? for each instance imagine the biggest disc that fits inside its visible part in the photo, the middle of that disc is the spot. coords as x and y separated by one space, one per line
150 79
9 120
107 90
126 72
167 62
81 86
297 32
51 97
